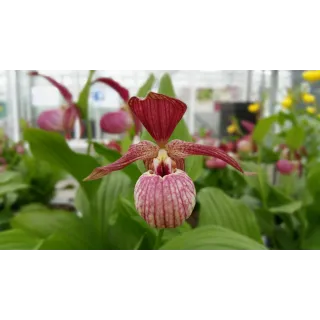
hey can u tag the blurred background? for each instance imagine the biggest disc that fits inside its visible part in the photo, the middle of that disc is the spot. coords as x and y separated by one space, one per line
211 96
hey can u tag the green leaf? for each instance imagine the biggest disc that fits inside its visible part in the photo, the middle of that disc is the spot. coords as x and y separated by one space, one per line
262 128
192 164
216 208
129 229
312 241
52 147
12 187
146 87
289 208
82 237
166 86
5 218
313 179
212 238
8 176
277 197
285 240
32 207
126 143
295 137
113 186
252 202
259 182
194 167
173 232
82 204
43 223
266 221
131 170
18 240
83 100
58 229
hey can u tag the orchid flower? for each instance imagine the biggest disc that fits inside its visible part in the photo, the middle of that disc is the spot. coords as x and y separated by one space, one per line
164 195
121 120
249 126
51 119
285 167
245 144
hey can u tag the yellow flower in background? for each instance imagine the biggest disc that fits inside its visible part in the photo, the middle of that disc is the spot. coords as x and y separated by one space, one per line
308 98
1 108
311 75
287 103
232 128
311 110
254 107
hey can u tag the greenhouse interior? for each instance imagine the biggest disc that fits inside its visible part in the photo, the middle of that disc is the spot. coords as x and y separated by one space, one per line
159 160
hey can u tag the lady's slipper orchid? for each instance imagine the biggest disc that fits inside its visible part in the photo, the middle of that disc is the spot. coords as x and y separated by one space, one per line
52 120
214 163
285 166
245 145
165 194
116 122
122 120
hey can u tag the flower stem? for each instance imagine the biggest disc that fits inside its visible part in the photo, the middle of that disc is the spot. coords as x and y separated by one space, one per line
89 134
158 240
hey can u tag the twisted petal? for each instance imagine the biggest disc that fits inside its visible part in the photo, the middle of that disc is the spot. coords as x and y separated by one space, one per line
165 202
62 89
141 151
123 92
159 114
71 114
182 149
